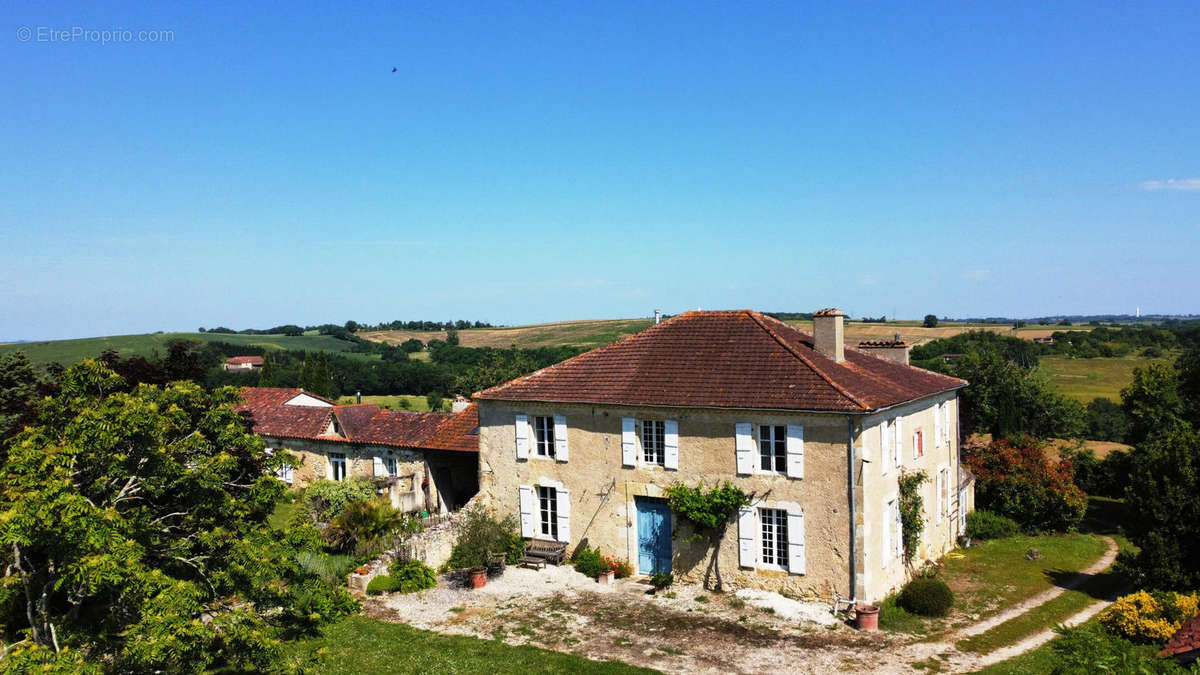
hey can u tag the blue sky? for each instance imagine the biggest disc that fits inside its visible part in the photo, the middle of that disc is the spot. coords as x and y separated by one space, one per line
549 161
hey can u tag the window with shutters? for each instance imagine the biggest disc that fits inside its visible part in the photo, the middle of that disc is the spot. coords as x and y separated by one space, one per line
389 466
548 511
897 525
918 444
944 497
772 448
543 435
654 434
337 466
774 538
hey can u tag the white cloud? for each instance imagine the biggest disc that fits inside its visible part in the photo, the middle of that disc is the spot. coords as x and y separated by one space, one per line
1172 184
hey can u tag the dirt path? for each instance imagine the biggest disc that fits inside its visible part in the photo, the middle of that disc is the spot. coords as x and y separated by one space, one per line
690 630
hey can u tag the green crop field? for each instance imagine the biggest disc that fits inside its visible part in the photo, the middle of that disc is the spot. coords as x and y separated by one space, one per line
1086 379
67 352
415 403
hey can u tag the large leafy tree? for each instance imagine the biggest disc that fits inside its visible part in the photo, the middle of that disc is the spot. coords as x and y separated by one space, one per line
1007 399
1018 479
133 535
1152 401
1163 507
21 387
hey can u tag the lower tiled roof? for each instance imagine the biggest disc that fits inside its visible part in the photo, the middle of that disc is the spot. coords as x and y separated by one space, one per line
1185 640
361 423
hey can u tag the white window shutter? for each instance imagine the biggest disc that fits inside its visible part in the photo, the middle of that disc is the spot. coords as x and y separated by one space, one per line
564 514
885 455
560 438
527 508
329 467
744 446
671 444
747 529
898 437
522 436
937 497
886 550
937 425
628 441
795 451
796 559
377 466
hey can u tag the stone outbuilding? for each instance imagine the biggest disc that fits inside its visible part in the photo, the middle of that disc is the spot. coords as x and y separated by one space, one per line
818 433
420 461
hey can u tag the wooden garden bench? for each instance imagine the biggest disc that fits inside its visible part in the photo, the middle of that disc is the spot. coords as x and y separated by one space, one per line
538 552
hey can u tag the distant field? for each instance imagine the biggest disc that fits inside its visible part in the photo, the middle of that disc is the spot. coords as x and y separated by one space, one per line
1086 379
591 333
67 352
415 403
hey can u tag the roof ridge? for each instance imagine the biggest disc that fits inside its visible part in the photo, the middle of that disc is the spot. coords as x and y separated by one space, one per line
602 348
760 320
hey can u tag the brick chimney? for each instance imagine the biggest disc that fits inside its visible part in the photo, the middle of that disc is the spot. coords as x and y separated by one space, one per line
828 335
892 350
460 404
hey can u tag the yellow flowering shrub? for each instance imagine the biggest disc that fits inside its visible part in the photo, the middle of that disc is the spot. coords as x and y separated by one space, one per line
1146 617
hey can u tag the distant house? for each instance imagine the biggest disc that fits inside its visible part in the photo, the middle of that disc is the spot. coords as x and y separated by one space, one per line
818 433
421 461
243 363
1044 340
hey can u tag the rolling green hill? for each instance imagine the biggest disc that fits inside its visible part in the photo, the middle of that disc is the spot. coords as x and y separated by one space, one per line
67 352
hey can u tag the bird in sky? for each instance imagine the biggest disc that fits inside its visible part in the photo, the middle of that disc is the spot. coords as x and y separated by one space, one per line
394 69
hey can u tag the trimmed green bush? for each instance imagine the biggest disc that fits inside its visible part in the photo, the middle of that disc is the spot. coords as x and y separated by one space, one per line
589 562
988 525
481 534
661 580
926 597
383 583
412 575
327 499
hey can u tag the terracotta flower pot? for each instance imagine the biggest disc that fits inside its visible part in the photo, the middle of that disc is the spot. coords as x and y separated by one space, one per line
607 577
866 617
478 577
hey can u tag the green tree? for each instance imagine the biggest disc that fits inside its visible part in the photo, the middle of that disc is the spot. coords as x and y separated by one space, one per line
266 375
314 374
21 387
1152 402
709 513
1106 421
931 321
134 535
452 337
1006 399
1163 511
1188 367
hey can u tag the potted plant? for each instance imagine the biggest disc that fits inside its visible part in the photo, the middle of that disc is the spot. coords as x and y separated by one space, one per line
866 617
606 576
477 576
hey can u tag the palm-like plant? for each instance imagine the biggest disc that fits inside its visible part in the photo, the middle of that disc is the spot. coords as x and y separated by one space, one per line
368 527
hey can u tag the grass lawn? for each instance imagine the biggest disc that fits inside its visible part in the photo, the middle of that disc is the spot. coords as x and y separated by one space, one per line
360 644
68 352
1086 379
993 575
416 403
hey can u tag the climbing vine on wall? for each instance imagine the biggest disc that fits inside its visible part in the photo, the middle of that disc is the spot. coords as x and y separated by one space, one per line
911 520
707 510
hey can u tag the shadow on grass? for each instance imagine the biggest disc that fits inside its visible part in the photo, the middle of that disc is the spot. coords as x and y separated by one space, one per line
1106 585
1104 516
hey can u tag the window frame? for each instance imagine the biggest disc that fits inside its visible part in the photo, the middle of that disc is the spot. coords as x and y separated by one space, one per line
657 444
338 460
918 443
390 465
778 442
547 510
770 542
543 436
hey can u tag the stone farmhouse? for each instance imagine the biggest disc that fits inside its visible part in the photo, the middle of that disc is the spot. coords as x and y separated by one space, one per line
421 461
242 363
817 432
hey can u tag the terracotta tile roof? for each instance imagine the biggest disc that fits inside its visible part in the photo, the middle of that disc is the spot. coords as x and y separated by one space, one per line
459 432
361 423
236 360
269 416
871 344
725 359
1185 640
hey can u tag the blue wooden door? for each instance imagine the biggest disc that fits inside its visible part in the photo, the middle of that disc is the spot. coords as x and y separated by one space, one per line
654 536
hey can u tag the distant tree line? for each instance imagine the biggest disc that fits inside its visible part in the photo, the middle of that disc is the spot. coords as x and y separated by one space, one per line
352 327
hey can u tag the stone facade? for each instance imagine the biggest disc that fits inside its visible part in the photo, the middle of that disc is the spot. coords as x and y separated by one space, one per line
425 480
603 492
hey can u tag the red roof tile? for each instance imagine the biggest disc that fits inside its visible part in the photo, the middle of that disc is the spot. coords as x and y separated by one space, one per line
1186 639
362 423
725 359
